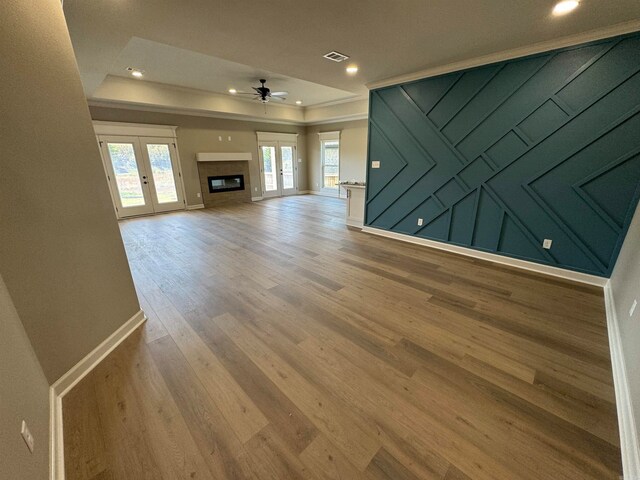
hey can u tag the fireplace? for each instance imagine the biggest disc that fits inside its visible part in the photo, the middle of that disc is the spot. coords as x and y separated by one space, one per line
224 178
225 183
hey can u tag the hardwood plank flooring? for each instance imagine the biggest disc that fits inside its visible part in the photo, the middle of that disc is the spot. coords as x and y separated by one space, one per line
282 345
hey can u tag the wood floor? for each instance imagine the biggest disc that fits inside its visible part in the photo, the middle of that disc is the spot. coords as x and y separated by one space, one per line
281 345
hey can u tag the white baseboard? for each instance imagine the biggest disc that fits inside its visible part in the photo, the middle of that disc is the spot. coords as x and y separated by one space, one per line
195 207
492 257
629 443
70 379
256 199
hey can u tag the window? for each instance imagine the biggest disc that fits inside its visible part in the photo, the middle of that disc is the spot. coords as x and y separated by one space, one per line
330 158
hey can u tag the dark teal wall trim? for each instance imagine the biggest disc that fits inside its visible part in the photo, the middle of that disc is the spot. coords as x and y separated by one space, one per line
500 157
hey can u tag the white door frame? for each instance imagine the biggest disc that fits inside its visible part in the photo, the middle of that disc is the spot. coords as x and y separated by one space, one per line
180 203
275 166
139 130
294 155
327 137
123 211
278 140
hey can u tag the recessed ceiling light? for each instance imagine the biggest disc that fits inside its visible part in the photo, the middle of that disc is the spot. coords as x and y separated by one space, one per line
232 91
352 69
565 6
298 102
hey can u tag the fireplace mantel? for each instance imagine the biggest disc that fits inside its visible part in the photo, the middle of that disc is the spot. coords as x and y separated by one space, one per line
224 157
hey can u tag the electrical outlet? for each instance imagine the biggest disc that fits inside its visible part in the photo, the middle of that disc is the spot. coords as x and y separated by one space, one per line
547 243
299 160
633 308
375 164
219 138
255 189
229 138
420 222
199 194
26 436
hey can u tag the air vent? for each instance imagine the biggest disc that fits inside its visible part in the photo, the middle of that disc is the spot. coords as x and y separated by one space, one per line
335 56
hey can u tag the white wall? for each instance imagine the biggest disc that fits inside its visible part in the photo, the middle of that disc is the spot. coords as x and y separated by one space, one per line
61 253
23 396
625 288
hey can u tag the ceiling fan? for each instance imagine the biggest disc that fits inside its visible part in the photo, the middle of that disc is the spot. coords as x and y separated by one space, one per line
264 94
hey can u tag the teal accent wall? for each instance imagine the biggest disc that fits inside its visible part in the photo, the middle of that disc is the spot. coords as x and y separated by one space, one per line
500 157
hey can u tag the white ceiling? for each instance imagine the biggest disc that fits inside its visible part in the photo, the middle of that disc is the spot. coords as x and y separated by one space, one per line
186 68
210 44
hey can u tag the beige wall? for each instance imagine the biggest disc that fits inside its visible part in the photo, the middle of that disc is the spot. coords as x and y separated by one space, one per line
61 254
625 287
23 396
200 134
353 151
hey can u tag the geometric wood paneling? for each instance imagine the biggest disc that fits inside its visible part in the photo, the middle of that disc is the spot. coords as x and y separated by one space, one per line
499 157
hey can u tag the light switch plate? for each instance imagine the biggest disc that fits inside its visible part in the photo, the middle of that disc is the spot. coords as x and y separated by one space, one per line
420 222
26 436
375 164
547 243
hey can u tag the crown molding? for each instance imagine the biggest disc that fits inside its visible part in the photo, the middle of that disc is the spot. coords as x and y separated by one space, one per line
136 129
144 107
274 137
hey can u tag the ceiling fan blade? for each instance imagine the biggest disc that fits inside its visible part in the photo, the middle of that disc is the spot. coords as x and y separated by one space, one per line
244 93
282 99
257 89
279 94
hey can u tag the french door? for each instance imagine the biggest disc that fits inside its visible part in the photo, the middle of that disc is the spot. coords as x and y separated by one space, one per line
278 168
143 174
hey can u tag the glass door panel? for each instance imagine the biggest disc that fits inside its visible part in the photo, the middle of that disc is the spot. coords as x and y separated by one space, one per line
162 172
288 168
125 168
126 171
162 164
330 163
269 167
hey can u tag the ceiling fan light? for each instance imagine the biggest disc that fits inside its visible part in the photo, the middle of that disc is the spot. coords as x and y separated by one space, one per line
565 7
